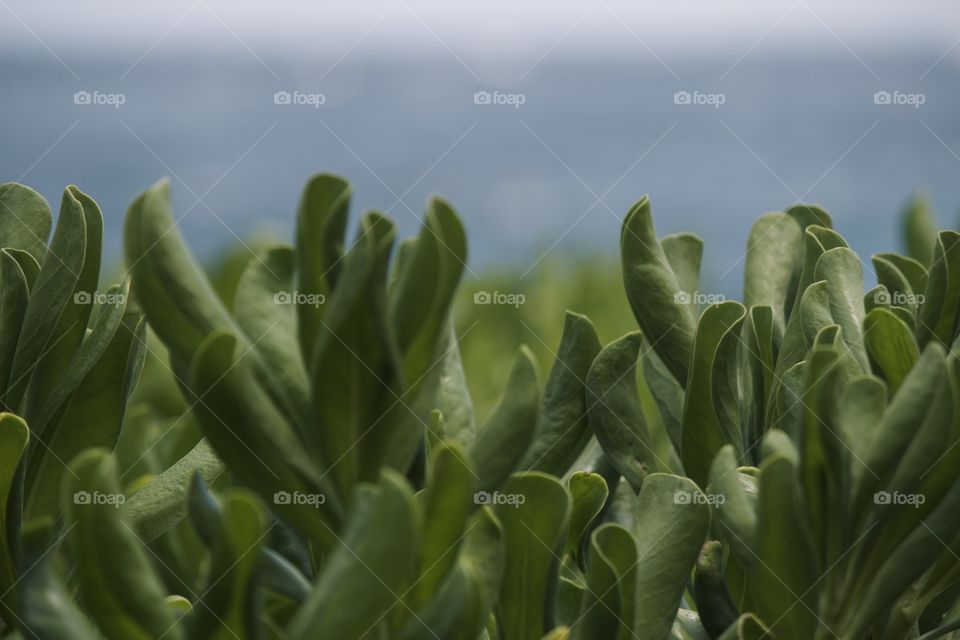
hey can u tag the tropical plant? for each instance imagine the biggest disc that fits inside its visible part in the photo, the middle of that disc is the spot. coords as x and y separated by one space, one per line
821 421
69 357
777 469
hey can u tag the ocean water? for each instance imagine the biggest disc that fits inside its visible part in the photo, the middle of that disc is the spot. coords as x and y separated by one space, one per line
545 169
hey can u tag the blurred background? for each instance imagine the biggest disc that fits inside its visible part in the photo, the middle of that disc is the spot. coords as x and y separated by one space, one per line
542 122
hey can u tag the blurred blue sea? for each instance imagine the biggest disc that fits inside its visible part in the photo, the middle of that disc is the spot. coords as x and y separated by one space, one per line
555 173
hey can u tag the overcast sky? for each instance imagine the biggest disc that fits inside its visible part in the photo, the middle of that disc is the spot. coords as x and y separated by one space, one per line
479 27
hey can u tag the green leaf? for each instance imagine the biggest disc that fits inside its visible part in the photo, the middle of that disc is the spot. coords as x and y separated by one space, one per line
684 252
534 529
841 269
356 391
891 346
367 573
109 361
60 272
779 580
266 311
756 353
321 222
48 609
747 627
773 265
228 605
563 430
462 606
710 417
654 292
253 439
608 604
14 297
447 502
117 581
589 493
714 602
25 219
421 296
14 438
937 317
736 514
817 239
175 294
161 504
614 410
671 524
504 439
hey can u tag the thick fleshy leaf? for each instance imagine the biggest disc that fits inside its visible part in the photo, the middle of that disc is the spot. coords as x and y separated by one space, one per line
14 438
48 609
670 527
421 296
93 414
684 252
714 602
463 604
161 504
58 354
710 413
747 627
891 346
756 358
368 572
25 219
14 296
265 307
661 307
607 610
736 513
117 581
589 493
817 239
614 410
254 441
229 605
504 439
563 430
937 317
60 271
773 265
321 222
534 528
841 269
446 504
356 391
780 579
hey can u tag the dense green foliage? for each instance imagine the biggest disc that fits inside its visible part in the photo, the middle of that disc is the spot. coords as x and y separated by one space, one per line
305 457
